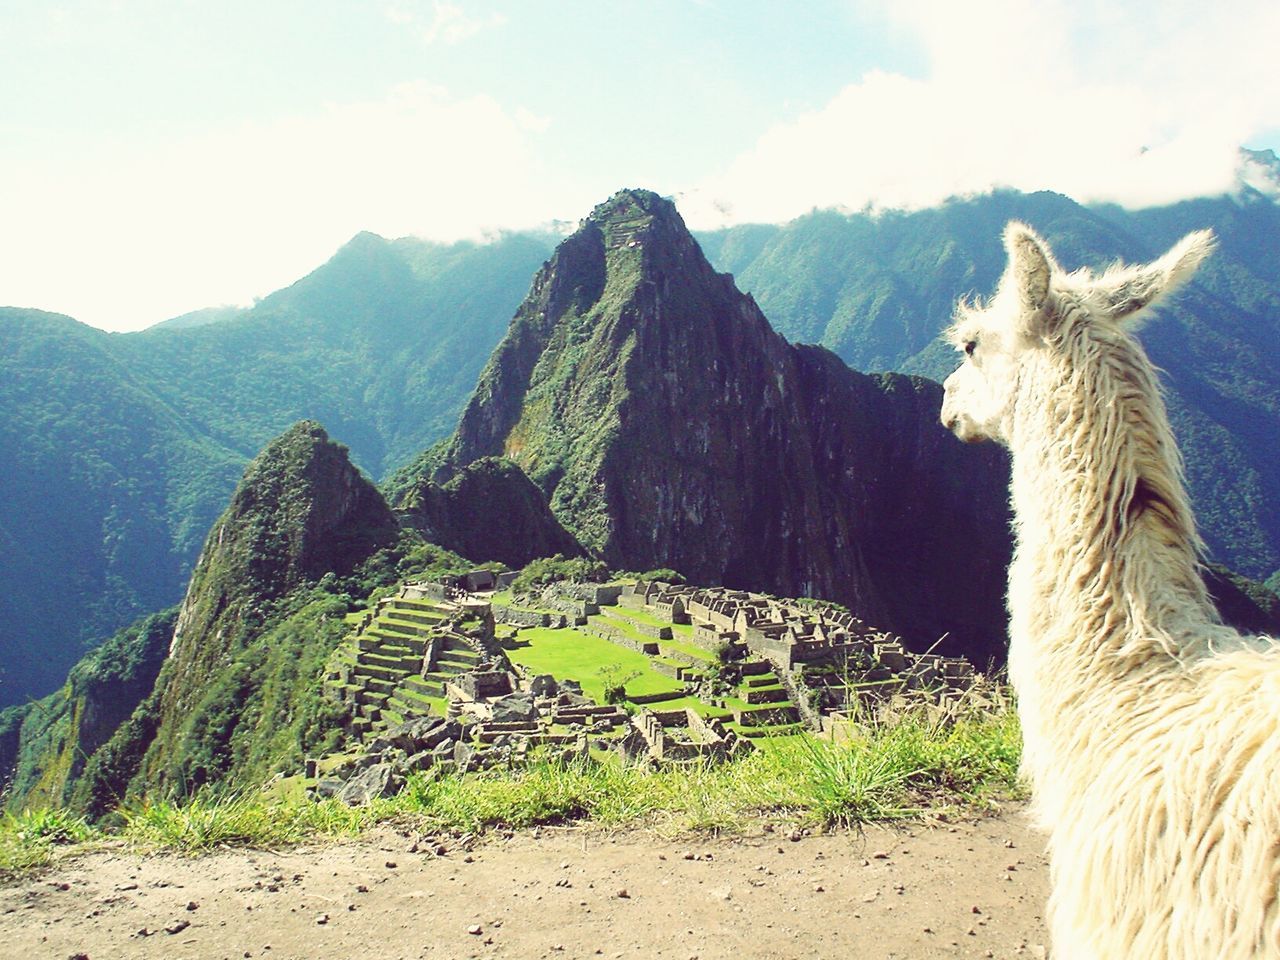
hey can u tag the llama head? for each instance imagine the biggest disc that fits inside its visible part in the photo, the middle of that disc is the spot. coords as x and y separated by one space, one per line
1039 307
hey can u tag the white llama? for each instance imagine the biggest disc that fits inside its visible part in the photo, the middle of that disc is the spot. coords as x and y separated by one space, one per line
1151 731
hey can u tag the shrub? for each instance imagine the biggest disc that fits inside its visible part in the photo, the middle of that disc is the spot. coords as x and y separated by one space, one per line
538 573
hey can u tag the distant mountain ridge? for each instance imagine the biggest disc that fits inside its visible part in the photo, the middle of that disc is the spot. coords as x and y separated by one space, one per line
121 449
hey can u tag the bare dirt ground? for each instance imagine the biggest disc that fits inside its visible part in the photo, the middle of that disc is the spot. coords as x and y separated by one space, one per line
966 889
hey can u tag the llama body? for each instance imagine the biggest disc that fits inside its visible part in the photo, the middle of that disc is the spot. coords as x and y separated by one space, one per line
1151 731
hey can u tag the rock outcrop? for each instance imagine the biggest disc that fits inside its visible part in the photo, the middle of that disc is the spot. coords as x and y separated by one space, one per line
59 736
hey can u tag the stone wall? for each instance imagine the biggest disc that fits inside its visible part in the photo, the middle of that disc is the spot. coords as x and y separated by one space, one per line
644 629
601 594
425 591
526 618
614 634
702 738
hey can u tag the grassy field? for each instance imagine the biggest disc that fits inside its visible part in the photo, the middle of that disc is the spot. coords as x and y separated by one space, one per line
573 654
916 764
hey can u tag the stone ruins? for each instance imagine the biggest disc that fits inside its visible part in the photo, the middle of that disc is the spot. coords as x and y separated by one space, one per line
429 680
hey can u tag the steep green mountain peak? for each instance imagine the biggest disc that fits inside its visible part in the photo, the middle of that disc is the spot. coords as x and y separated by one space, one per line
301 510
668 425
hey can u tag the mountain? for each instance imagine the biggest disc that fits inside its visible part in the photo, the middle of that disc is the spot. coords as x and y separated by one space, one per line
226 687
44 745
382 344
121 449
640 407
488 511
199 318
302 511
669 425
92 514
878 289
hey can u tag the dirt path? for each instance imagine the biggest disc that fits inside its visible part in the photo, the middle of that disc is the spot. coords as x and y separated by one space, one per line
972 889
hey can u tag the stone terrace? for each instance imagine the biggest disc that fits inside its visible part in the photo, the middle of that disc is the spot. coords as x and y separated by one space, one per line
839 661
756 666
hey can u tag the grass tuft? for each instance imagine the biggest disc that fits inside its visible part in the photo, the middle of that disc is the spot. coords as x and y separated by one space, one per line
28 839
209 820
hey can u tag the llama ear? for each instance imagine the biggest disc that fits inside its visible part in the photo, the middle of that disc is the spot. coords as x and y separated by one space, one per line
1127 291
1030 266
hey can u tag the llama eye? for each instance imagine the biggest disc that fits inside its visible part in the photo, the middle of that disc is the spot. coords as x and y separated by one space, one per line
969 347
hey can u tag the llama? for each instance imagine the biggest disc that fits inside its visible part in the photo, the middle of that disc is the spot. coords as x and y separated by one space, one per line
1151 730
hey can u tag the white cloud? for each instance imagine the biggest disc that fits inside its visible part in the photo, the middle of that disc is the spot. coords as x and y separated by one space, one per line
447 22
233 215
1139 104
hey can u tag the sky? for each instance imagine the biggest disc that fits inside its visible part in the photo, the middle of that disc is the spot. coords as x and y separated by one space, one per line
159 156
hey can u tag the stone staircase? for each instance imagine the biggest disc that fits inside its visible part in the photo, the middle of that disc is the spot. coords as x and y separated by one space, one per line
380 671
448 654
769 704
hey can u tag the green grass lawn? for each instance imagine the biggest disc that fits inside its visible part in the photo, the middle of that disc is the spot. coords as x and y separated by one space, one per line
572 654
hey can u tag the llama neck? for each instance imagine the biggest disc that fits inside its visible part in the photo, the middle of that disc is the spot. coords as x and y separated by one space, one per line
1105 588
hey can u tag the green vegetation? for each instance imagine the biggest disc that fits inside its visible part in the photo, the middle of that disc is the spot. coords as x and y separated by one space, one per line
254 713
902 769
28 839
544 570
662 574
120 450
60 733
575 655
460 512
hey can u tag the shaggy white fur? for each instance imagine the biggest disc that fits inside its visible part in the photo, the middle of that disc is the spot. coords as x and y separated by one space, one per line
1151 731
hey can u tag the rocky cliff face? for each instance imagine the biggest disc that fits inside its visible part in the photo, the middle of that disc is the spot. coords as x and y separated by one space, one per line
877 290
669 425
